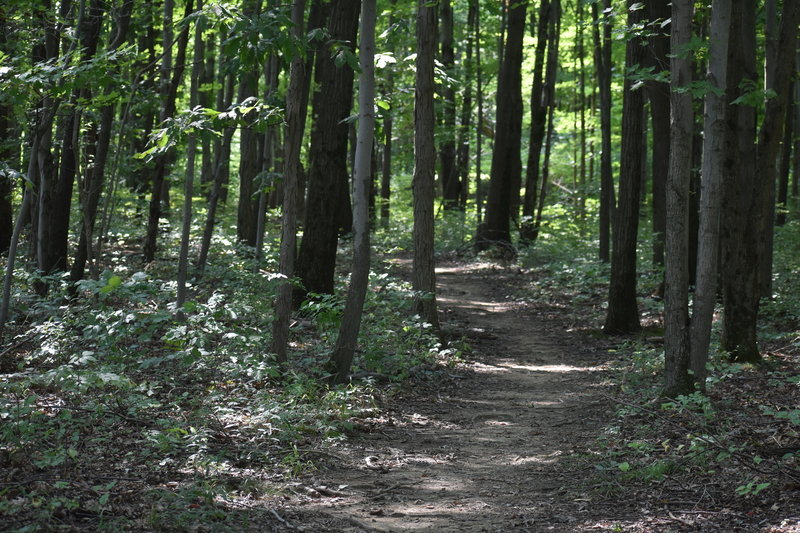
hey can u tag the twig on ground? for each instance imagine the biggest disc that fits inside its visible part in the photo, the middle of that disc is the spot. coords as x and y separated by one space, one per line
283 521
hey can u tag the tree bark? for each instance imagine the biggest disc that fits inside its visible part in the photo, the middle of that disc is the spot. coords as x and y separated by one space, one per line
343 351
676 314
424 276
779 79
93 183
506 165
168 110
295 122
56 195
538 118
451 188
602 60
328 176
715 152
191 156
622 315
658 94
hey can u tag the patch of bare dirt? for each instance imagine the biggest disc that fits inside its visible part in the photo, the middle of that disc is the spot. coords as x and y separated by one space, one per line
490 449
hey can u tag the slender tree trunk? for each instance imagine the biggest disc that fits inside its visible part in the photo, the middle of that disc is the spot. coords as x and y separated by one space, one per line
388 125
343 351
7 153
465 123
538 118
451 188
715 148
424 275
191 156
786 162
295 122
506 165
167 111
623 313
676 294
479 129
93 183
56 196
602 60
659 97
779 74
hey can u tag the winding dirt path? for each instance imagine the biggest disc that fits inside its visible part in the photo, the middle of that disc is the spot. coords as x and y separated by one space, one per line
486 452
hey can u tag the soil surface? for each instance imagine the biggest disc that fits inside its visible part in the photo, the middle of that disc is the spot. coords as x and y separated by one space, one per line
490 447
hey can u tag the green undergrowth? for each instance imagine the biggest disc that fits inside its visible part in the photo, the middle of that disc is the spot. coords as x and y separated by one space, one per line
115 414
738 445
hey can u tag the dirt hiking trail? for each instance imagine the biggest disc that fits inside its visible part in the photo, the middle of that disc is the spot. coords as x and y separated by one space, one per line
485 451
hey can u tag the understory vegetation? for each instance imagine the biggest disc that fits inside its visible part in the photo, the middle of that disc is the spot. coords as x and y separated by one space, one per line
118 416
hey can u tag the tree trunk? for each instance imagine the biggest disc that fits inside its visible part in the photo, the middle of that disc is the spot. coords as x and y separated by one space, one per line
465 123
715 152
388 124
167 111
658 94
424 276
786 161
602 60
676 314
56 196
93 183
538 118
622 315
328 176
779 79
295 123
251 151
479 128
6 154
191 156
343 351
739 234
506 165
451 188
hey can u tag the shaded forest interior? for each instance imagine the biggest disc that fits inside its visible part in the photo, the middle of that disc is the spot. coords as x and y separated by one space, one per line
222 224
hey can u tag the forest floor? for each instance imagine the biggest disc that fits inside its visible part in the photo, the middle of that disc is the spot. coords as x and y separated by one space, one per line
507 441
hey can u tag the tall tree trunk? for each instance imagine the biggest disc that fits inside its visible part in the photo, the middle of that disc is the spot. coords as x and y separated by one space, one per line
295 122
251 151
739 228
167 111
676 294
779 79
506 165
424 276
602 60
538 117
786 161
93 183
343 351
465 123
658 94
622 315
7 152
715 152
388 125
56 196
480 123
191 156
328 176
451 188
